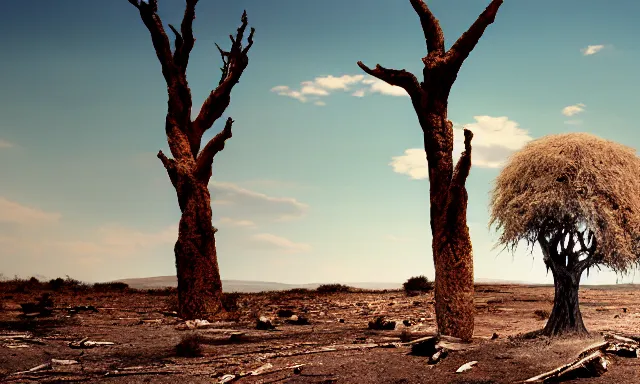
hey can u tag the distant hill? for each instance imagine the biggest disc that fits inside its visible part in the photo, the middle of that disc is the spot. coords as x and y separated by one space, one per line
259 286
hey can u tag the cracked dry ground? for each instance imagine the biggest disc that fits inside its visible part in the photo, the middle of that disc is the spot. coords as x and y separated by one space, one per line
144 338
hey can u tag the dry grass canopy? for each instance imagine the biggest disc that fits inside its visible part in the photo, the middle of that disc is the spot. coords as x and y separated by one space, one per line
574 178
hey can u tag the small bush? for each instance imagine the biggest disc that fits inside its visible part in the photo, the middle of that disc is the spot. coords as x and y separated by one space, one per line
112 286
542 314
190 346
417 284
333 288
56 284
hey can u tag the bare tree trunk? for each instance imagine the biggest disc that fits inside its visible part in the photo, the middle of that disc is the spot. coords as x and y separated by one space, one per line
199 284
558 244
565 317
451 245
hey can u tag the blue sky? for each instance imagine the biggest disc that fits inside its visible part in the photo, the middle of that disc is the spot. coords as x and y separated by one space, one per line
303 192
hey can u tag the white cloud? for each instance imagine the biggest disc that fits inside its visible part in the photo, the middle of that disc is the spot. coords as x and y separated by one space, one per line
16 213
591 49
273 242
309 88
233 201
379 86
283 90
5 144
494 139
573 109
342 82
227 221
312 90
413 163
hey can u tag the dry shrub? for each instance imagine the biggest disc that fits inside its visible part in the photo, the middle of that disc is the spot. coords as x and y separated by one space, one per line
333 288
116 286
190 346
417 284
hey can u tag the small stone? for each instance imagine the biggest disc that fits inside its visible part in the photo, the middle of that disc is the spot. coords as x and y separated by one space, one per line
285 313
407 323
341 320
264 323
494 336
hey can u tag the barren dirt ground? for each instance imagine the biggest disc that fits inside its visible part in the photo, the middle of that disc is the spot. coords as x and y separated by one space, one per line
145 336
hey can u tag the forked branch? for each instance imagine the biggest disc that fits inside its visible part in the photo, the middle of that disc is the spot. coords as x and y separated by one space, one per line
234 63
400 78
204 161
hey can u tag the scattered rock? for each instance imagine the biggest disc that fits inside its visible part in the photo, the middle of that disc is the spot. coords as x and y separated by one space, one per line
236 337
425 346
467 366
298 320
407 323
264 323
381 324
341 320
438 356
297 370
285 313
494 336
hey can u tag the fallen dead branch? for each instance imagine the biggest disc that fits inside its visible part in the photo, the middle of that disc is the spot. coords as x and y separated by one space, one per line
592 365
86 343
262 370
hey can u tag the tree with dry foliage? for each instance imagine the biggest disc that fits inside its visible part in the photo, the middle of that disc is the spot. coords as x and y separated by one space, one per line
199 284
451 245
578 197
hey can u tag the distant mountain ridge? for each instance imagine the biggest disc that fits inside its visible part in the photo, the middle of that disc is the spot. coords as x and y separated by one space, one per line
259 286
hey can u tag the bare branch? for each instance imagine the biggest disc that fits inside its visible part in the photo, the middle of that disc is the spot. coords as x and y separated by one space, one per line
465 44
215 145
218 100
249 41
148 14
186 28
463 166
400 78
431 28
170 166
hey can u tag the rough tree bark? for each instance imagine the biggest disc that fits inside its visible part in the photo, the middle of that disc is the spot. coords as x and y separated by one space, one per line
451 244
567 260
199 285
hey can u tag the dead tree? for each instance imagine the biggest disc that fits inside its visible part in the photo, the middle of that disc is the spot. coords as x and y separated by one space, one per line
452 252
199 285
